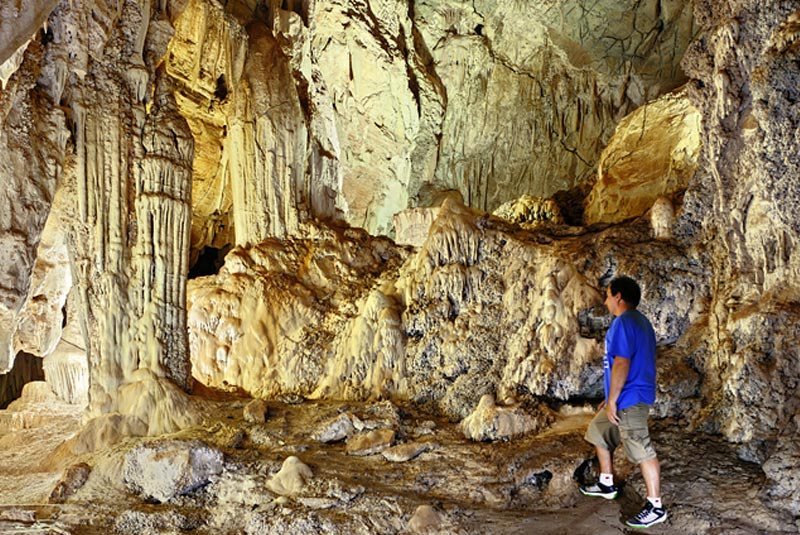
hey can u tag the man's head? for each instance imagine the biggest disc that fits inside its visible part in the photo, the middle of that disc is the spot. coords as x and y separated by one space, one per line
622 294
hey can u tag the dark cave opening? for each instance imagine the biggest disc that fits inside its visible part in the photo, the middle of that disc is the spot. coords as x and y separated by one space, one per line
209 262
27 368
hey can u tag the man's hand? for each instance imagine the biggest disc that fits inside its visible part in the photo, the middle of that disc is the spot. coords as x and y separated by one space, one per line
611 412
602 404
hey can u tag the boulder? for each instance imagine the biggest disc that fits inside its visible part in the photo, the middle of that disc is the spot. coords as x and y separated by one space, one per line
335 429
492 422
256 411
291 478
163 469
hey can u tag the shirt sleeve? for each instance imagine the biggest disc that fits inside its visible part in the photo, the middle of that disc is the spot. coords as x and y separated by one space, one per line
620 342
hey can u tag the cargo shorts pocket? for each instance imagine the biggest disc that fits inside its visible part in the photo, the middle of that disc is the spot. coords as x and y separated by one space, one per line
635 434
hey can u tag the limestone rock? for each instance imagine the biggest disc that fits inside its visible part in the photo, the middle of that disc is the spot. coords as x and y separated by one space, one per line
370 443
492 422
745 203
518 77
66 370
256 411
103 431
164 469
292 477
654 152
73 479
426 519
782 470
662 217
281 305
411 226
405 452
335 429
530 211
33 141
26 373
40 321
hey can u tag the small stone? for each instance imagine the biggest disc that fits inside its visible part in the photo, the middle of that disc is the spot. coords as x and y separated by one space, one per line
370 443
256 411
73 479
291 478
18 515
425 520
336 429
318 503
404 452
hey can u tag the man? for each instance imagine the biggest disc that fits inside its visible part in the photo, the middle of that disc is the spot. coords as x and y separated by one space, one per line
629 367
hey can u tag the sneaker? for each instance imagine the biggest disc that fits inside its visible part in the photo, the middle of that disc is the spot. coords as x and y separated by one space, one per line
648 516
609 492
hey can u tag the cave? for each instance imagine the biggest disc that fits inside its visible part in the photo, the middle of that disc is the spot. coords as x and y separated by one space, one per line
27 368
343 267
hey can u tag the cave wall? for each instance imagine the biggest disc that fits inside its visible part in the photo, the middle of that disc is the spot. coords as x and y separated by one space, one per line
745 74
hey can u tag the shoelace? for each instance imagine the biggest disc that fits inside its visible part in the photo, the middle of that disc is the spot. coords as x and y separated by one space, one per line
642 515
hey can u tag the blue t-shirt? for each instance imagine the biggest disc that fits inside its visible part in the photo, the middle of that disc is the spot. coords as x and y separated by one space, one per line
631 336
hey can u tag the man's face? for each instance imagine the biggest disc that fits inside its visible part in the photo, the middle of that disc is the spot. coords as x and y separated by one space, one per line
613 302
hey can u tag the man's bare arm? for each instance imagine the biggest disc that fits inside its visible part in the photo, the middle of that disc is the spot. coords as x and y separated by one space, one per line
619 374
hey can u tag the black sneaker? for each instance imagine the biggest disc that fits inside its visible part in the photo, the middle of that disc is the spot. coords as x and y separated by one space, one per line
648 516
609 492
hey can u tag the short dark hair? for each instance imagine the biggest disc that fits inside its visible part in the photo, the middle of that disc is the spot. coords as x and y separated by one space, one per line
628 288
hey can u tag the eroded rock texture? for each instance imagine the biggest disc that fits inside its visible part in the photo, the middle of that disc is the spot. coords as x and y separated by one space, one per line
481 308
160 133
746 71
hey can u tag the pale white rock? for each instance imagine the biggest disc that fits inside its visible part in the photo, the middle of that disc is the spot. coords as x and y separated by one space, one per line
256 411
492 422
164 469
34 392
426 519
386 112
33 139
335 429
518 77
265 323
405 452
292 477
662 217
369 443
10 65
411 226
66 370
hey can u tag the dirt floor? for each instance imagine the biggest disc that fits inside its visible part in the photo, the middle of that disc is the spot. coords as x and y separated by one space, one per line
524 485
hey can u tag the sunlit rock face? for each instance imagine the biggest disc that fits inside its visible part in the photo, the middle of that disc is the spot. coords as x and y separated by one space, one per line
481 308
534 89
268 322
653 153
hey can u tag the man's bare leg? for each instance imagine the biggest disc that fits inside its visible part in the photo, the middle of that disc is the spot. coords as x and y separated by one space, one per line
606 461
651 470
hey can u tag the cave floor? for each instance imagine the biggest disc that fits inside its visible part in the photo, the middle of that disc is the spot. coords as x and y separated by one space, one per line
525 485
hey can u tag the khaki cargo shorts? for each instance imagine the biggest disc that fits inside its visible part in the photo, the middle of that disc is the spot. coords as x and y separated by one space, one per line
632 432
